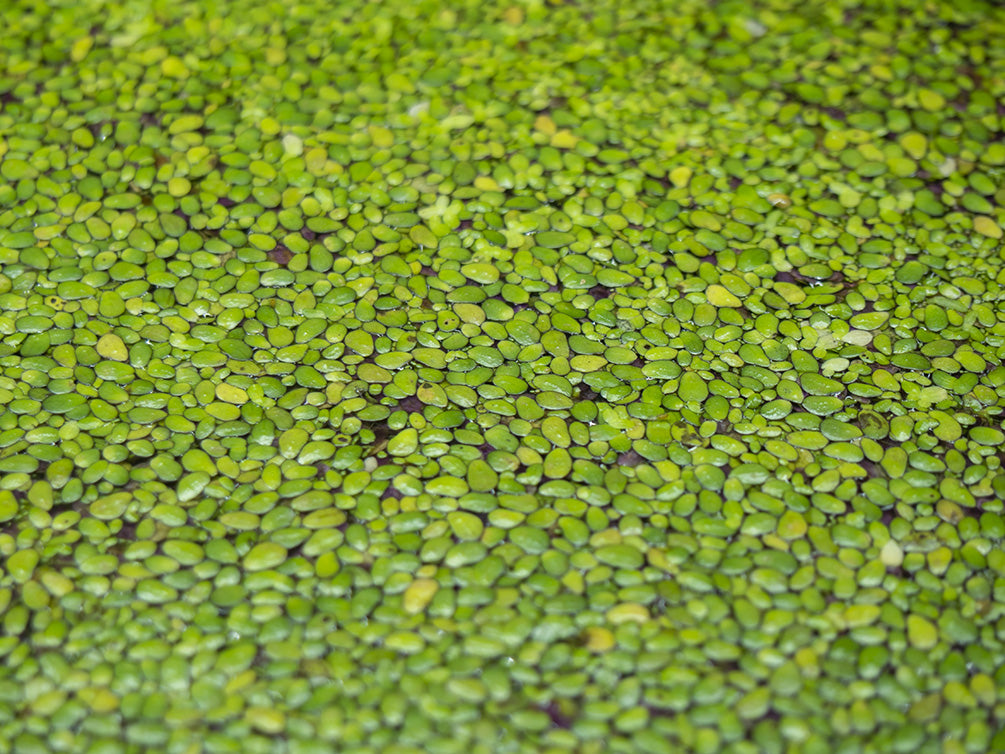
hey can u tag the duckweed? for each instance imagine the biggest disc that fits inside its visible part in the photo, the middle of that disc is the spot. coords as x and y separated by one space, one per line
560 377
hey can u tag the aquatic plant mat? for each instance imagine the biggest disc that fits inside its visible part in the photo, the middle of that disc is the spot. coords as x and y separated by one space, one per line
477 377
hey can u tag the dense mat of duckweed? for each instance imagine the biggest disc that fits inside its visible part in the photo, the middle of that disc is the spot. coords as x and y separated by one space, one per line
514 377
